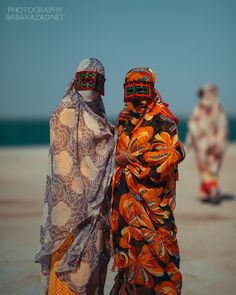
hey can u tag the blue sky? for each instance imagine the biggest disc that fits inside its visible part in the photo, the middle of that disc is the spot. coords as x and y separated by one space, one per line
188 43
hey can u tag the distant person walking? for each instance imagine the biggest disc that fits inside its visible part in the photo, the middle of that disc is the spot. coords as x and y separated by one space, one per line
208 136
74 233
143 230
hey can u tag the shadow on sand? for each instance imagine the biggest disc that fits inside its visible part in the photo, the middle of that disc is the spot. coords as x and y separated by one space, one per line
227 197
224 197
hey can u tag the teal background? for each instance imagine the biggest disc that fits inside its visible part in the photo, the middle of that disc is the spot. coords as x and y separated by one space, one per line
36 132
187 44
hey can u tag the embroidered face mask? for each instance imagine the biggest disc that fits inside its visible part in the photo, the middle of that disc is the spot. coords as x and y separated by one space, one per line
138 90
89 80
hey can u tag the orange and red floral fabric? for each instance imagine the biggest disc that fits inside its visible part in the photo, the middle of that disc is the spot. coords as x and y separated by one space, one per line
143 230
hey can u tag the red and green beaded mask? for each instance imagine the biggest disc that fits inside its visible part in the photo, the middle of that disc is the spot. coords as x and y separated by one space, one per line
89 80
141 90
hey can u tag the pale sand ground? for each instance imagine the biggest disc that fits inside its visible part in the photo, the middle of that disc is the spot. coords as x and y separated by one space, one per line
207 234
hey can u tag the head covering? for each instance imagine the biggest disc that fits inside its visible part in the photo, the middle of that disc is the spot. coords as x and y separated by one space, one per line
142 98
139 87
91 64
140 74
208 129
91 73
80 169
208 90
91 96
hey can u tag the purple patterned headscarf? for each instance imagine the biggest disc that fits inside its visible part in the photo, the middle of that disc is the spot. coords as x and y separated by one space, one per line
81 159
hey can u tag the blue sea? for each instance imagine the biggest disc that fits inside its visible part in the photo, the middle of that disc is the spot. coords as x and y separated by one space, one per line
36 132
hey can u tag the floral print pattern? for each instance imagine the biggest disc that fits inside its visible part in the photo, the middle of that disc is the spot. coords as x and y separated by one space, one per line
143 230
208 136
77 197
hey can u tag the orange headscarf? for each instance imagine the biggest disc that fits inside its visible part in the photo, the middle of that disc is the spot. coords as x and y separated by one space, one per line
140 74
138 106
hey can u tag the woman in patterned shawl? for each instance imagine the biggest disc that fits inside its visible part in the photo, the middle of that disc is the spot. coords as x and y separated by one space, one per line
143 230
74 233
208 133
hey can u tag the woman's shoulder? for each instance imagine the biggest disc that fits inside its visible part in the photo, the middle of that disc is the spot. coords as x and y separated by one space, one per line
65 110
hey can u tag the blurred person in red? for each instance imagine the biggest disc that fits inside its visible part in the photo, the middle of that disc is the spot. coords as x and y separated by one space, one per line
208 136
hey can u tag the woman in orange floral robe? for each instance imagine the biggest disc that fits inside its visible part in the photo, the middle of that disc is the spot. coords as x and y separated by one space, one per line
143 230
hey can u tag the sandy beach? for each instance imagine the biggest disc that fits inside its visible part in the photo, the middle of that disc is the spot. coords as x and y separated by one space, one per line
207 233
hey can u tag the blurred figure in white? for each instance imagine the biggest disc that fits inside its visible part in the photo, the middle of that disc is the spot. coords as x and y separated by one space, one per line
208 136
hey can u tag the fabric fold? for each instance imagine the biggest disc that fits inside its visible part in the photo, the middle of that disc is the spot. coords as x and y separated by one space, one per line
81 163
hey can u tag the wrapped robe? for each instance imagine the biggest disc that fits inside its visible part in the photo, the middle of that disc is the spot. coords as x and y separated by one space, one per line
143 230
208 136
76 204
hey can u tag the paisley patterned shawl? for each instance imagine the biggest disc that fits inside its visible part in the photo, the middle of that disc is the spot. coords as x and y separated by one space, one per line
80 168
143 231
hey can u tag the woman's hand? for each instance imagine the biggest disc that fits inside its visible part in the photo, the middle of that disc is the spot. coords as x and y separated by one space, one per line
122 159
